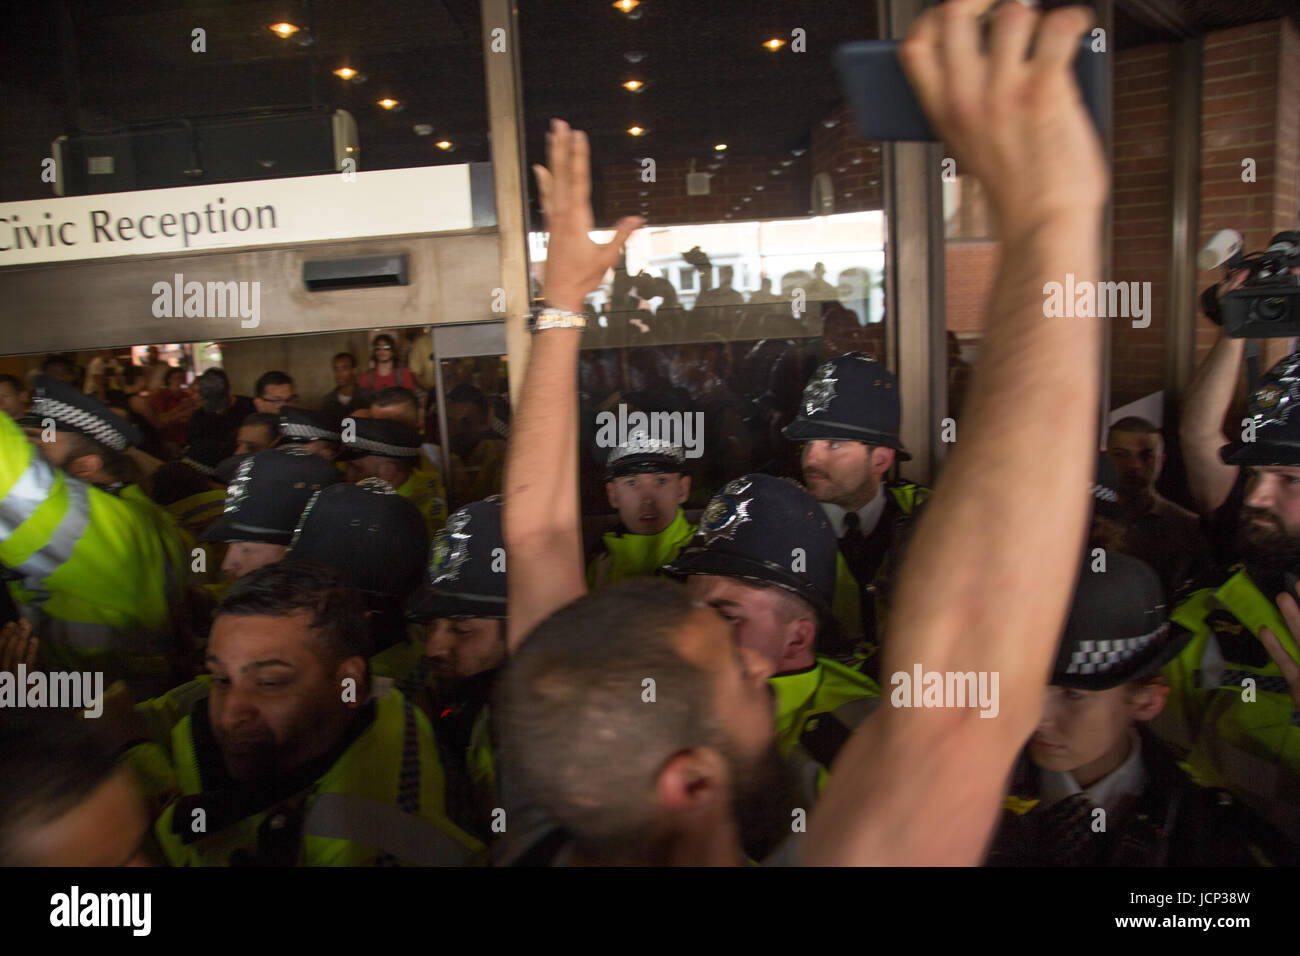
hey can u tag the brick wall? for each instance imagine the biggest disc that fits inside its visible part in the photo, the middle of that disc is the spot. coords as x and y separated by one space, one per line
969 268
852 164
742 187
1141 195
1250 110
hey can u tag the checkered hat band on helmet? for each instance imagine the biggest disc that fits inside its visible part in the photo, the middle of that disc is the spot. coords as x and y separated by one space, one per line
88 424
310 432
1098 657
383 448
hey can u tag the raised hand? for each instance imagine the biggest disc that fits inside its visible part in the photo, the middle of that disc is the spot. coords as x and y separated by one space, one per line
575 265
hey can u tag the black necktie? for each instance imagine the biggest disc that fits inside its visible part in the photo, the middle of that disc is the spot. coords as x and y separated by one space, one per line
1068 837
853 545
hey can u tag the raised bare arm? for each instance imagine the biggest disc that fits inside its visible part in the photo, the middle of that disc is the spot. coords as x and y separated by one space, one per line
542 525
986 582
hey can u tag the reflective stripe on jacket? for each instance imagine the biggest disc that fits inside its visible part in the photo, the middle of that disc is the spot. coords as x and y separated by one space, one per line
100 573
380 802
816 711
1234 720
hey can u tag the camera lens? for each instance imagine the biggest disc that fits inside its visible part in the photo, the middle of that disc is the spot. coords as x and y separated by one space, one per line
1271 309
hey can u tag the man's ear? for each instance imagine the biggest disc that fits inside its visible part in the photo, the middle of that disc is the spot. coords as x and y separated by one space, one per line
800 635
693 780
84 467
1149 699
354 669
882 459
609 490
683 489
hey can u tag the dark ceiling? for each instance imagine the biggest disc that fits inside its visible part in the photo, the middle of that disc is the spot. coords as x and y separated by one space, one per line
102 64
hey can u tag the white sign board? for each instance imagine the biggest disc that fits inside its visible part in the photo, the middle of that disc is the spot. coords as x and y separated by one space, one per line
387 202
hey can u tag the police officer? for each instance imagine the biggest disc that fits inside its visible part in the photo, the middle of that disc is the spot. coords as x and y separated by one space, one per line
94 565
374 536
312 430
848 425
1229 709
390 450
1092 786
647 482
323 769
263 504
461 603
765 558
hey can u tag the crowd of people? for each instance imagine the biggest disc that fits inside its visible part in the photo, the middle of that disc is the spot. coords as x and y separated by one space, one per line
307 660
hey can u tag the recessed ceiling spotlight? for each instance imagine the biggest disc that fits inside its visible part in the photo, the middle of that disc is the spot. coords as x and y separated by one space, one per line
634 56
758 189
798 152
445 145
787 162
284 30
422 129
626 6
345 73
388 103
830 123
634 86
774 44
720 147
636 131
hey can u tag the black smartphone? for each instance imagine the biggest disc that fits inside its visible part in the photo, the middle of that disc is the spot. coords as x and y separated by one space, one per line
885 109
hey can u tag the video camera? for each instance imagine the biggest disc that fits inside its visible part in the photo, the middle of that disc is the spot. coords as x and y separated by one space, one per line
1267 305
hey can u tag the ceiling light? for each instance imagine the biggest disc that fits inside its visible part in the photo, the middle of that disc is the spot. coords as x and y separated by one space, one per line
720 147
283 30
636 131
634 86
634 56
444 144
774 44
422 129
345 72
388 103
627 6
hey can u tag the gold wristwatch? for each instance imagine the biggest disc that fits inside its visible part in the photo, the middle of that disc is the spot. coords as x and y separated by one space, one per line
540 319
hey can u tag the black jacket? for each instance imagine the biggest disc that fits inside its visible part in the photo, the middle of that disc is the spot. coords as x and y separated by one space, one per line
1174 823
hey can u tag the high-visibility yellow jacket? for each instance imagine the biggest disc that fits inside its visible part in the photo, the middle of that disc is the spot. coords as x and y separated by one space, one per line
630 555
425 489
1231 718
100 573
380 802
192 516
816 711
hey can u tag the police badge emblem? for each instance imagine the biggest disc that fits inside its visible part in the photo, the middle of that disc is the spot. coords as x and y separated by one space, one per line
1275 398
726 512
450 549
237 490
820 390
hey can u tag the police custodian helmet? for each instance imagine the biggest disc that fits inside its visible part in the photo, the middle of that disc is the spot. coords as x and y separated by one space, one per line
767 530
466 576
851 397
1272 435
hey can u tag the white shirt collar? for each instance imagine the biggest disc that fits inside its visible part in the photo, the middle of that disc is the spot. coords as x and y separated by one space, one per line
868 515
1113 792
